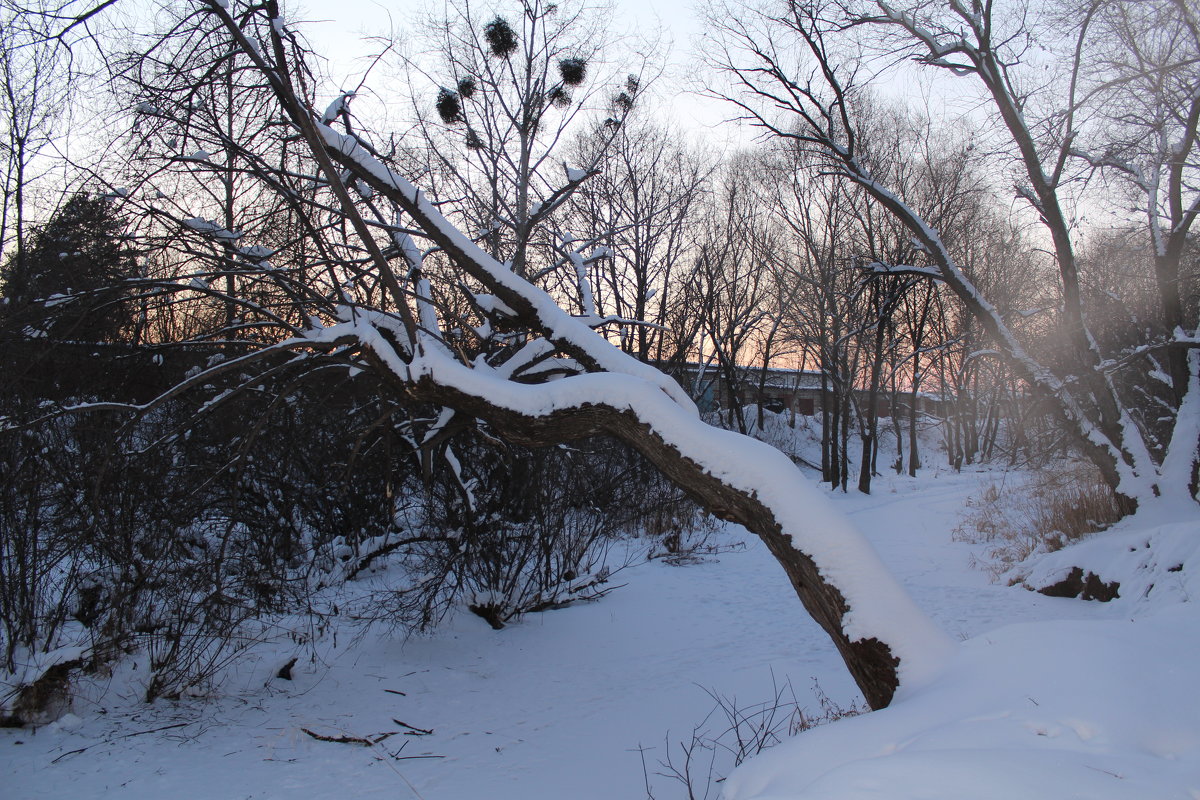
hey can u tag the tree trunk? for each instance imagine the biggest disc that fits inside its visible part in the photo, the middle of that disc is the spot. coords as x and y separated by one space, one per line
827 423
871 661
869 427
914 455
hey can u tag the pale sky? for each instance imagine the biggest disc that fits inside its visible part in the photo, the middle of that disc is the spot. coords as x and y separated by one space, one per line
338 32
338 36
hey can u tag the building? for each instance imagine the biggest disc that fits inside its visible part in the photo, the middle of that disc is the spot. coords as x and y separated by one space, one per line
794 390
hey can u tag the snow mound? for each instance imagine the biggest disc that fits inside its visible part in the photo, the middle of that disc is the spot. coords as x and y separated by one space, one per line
1152 566
1100 709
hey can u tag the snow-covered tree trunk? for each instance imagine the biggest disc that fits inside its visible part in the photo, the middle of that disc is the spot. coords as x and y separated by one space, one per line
560 380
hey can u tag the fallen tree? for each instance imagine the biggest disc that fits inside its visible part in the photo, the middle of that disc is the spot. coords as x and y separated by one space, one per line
372 275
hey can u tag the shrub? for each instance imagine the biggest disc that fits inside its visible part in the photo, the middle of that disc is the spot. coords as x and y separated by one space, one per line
171 533
1049 511
515 530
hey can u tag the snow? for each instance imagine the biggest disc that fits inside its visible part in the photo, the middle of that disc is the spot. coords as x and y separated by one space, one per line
490 304
1097 709
412 254
256 252
1046 698
585 285
1177 466
1153 566
1160 376
211 228
339 106
57 299
1037 710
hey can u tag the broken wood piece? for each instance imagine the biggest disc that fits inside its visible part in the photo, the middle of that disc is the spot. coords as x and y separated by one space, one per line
339 739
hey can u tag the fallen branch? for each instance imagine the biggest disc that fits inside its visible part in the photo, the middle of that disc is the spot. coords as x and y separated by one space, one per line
413 730
344 739
125 736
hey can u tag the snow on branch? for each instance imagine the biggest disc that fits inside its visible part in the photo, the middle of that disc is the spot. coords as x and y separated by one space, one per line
880 268
884 638
526 300
213 229
880 608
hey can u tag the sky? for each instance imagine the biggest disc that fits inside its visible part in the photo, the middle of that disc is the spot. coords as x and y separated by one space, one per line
339 37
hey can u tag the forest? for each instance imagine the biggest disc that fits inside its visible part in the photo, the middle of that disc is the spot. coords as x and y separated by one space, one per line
450 342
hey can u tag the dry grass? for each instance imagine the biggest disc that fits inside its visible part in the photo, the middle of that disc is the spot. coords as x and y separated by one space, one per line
1054 508
732 732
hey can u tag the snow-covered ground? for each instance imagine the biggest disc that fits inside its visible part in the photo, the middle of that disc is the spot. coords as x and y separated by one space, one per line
1050 697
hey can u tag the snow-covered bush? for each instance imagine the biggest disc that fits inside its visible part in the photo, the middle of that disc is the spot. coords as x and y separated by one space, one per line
170 534
36 577
517 529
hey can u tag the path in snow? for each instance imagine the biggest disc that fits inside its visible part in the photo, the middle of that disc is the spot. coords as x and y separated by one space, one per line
911 530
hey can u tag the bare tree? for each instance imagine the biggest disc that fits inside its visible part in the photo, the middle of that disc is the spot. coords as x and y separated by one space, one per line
731 282
495 108
642 208
815 221
1135 114
33 94
790 73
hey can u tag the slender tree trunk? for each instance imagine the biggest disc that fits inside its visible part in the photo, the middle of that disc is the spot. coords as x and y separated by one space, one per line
869 428
844 455
897 424
827 424
914 455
